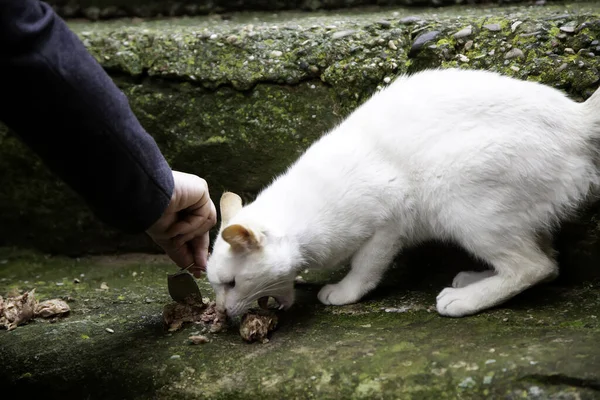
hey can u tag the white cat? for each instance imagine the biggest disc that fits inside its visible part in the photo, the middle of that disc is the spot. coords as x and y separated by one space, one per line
486 161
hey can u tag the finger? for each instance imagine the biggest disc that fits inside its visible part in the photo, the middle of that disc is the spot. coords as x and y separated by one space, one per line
199 247
193 222
193 192
181 256
202 229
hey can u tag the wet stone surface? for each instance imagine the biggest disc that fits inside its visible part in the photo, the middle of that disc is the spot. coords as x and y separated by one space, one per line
543 344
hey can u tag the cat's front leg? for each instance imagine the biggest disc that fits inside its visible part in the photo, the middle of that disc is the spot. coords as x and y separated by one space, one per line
367 267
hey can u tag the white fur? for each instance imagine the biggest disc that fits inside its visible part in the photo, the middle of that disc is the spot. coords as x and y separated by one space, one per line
489 162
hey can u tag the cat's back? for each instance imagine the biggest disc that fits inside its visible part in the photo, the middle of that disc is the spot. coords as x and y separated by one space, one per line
470 107
446 93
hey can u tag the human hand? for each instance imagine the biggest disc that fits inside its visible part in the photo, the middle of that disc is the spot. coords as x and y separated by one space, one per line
182 230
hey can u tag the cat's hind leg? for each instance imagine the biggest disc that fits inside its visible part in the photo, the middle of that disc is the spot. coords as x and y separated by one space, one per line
466 278
517 267
367 268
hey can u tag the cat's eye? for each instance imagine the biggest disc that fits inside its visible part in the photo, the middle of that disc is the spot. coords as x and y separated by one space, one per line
231 284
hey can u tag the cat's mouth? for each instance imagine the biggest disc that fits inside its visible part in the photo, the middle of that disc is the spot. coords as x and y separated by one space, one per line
282 302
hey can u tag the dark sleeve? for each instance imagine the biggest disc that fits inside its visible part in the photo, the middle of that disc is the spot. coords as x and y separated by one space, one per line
61 103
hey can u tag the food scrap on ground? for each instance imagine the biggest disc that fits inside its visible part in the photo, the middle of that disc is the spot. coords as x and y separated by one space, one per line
256 325
51 308
176 314
198 339
18 309
213 316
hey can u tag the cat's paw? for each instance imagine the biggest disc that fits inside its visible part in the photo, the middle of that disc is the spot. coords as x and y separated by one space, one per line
337 294
466 278
453 302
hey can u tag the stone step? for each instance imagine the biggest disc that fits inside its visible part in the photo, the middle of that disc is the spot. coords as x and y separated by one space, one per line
237 100
392 345
108 9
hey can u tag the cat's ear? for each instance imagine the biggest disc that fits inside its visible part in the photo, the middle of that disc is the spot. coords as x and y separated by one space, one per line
241 238
230 204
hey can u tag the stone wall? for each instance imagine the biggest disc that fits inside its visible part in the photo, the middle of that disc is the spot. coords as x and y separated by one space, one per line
236 101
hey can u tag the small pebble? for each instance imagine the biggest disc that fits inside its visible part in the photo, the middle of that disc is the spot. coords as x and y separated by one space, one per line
76 280
313 69
110 330
514 53
515 25
276 53
384 24
409 20
392 45
341 34
515 68
569 50
463 58
467 382
492 27
422 40
468 45
103 286
490 361
387 79
175 357
535 391
213 36
463 32
59 283
569 28
487 380
562 67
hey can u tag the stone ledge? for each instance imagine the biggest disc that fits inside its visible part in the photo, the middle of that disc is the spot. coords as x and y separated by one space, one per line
236 101
108 9
352 49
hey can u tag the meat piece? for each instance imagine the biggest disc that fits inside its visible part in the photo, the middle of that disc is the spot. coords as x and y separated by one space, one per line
51 308
257 324
17 310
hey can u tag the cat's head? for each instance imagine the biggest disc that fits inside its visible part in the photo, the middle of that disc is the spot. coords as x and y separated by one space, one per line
248 262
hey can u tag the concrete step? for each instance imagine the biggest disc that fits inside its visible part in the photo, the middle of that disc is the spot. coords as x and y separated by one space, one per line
237 100
392 345
109 9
